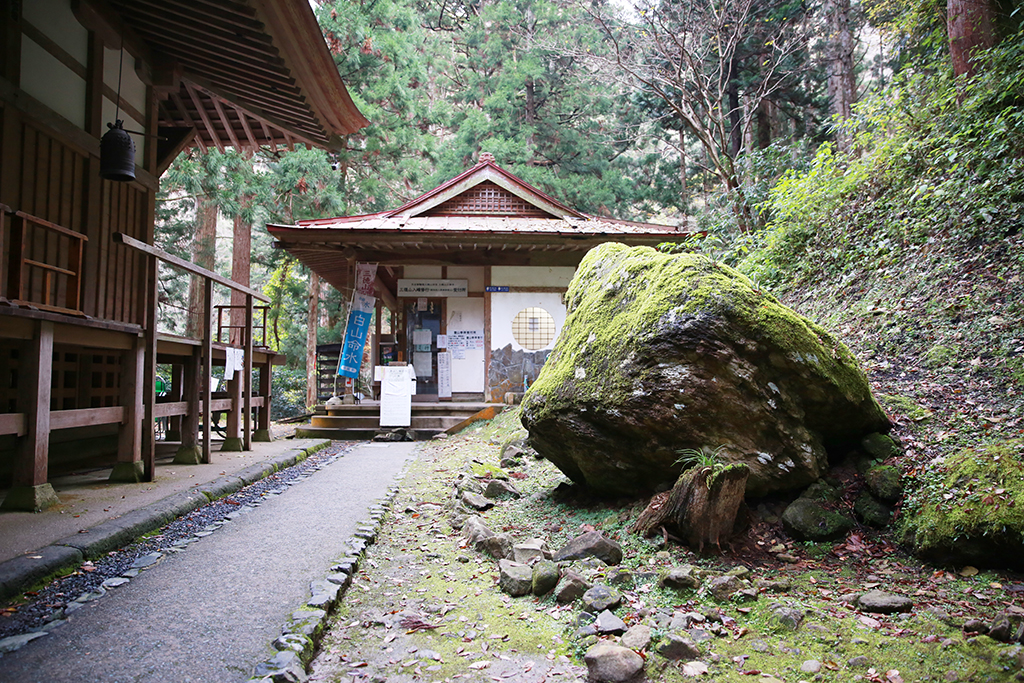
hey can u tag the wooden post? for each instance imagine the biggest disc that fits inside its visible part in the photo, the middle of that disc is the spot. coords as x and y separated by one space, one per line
263 432
247 378
487 337
175 395
29 488
207 366
129 465
149 374
189 452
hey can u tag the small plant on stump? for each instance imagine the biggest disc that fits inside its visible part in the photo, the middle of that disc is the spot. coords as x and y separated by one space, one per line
703 505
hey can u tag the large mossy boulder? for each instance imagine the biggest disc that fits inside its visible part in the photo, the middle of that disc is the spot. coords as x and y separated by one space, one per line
662 352
969 508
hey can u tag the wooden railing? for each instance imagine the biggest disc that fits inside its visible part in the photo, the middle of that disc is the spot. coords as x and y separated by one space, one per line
19 286
259 324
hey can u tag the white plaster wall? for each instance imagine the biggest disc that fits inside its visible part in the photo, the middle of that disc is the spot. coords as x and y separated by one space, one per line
133 91
422 272
532 276
467 313
56 20
45 78
473 274
505 306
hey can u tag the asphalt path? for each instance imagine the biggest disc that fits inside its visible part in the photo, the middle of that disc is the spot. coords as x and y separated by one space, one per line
209 614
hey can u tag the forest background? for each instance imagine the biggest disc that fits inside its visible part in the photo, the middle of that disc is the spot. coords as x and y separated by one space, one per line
828 149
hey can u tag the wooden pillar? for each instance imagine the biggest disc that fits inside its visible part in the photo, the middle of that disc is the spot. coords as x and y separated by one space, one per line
487 336
149 370
189 452
233 438
29 488
206 368
263 432
129 465
175 395
247 378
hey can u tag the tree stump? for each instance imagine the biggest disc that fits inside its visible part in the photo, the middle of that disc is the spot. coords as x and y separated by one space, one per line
701 508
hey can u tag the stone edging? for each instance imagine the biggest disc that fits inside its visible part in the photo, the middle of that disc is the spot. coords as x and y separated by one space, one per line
21 573
301 635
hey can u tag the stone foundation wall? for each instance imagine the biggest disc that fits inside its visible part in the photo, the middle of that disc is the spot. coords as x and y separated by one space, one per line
513 370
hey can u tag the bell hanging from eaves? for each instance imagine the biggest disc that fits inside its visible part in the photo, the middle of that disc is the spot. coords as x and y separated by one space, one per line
117 154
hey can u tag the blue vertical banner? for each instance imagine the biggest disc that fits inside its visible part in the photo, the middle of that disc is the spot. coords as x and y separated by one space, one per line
355 335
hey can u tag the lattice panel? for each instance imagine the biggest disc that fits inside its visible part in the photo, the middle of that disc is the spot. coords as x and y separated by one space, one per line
487 199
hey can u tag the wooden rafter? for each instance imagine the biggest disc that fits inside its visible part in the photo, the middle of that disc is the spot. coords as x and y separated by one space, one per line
228 128
204 116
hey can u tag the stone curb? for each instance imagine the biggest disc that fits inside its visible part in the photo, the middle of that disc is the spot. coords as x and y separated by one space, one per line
24 571
301 635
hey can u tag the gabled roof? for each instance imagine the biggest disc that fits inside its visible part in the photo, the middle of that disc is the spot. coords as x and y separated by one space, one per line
244 73
484 216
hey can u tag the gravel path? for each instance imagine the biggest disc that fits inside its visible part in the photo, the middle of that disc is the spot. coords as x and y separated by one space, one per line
210 611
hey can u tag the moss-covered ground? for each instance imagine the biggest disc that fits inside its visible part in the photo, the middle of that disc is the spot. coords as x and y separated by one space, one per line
426 608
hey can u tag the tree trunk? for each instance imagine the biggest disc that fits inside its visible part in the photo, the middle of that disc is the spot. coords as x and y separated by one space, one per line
969 24
701 508
842 88
241 252
312 321
684 190
204 252
735 115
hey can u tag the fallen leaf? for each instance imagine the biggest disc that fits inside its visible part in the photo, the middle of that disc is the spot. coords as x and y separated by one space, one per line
869 622
479 665
969 571
694 669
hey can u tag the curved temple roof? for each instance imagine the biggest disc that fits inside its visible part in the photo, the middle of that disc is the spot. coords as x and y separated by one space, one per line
244 73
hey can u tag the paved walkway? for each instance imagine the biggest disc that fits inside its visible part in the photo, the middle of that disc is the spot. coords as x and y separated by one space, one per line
210 613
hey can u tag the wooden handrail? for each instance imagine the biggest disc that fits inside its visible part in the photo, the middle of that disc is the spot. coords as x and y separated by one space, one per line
20 262
128 241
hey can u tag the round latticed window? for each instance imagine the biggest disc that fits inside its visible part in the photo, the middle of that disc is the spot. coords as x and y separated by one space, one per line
533 328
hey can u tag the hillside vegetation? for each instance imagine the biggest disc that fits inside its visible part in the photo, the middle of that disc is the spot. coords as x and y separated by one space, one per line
910 250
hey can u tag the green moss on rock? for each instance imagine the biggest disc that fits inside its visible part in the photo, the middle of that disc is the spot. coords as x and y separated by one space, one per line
969 508
665 352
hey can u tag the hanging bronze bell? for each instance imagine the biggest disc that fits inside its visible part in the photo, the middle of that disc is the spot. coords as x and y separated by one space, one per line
117 154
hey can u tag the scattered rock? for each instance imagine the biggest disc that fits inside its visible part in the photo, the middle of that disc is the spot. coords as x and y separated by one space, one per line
531 551
975 626
514 578
637 637
879 602
681 578
787 617
609 624
13 643
545 577
610 663
498 489
872 511
884 482
781 585
806 520
620 576
285 666
570 588
721 588
600 598
858 662
879 446
476 501
483 540
811 666
591 544
674 646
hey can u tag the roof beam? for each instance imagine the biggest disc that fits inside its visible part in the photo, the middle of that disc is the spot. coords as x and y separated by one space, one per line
203 115
228 127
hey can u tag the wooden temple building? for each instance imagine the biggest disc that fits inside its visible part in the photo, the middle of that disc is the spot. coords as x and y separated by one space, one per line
474 270
79 343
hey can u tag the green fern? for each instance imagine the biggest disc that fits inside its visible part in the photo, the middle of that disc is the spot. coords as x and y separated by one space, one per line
702 458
